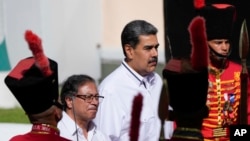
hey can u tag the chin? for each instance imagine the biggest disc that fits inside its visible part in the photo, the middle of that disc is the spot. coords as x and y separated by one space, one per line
93 113
152 69
92 116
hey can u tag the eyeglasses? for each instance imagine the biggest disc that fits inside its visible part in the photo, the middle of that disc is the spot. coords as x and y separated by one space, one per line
89 98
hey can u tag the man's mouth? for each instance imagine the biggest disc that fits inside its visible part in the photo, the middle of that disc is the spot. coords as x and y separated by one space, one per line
153 60
153 63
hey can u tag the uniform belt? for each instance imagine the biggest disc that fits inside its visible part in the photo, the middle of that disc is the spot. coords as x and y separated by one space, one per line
187 133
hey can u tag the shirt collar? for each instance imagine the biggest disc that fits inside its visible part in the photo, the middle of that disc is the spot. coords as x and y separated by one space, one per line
70 123
73 128
149 79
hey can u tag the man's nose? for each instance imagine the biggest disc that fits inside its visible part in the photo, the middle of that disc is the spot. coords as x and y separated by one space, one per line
225 46
154 52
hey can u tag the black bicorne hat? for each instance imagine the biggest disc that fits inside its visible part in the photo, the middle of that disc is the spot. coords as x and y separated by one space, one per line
187 91
34 80
35 92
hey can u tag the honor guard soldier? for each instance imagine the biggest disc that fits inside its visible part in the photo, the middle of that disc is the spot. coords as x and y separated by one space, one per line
187 82
34 83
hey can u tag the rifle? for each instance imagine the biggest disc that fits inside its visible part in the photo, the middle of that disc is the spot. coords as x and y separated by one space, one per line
243 50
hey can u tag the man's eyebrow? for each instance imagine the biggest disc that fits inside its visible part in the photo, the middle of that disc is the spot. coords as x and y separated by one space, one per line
152 45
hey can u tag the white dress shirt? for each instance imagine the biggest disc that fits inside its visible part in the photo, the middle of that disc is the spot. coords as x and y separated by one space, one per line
119 89
68 129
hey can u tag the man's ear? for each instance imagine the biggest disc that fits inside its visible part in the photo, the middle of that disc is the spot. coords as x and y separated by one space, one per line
69 101
129 51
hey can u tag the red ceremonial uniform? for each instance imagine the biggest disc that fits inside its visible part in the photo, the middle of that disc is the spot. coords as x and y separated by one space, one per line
40 132
223 101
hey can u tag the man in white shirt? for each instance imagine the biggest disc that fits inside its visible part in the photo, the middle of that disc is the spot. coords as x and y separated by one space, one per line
135 75
80 99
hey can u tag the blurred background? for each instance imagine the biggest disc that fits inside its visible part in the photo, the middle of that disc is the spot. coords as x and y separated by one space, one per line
83 36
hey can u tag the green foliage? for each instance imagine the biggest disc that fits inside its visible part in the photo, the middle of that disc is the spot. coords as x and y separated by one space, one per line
13 115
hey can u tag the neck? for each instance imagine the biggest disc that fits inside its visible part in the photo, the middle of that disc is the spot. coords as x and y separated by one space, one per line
218 62
45 129
83 124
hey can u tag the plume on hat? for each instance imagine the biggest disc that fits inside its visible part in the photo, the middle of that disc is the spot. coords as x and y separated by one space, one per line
186 73
198 4
135 120
199 53
35 45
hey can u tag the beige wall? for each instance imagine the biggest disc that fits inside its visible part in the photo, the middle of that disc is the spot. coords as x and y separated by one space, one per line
117 13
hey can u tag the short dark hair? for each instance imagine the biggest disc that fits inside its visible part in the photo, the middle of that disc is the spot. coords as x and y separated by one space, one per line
71 85
132 31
